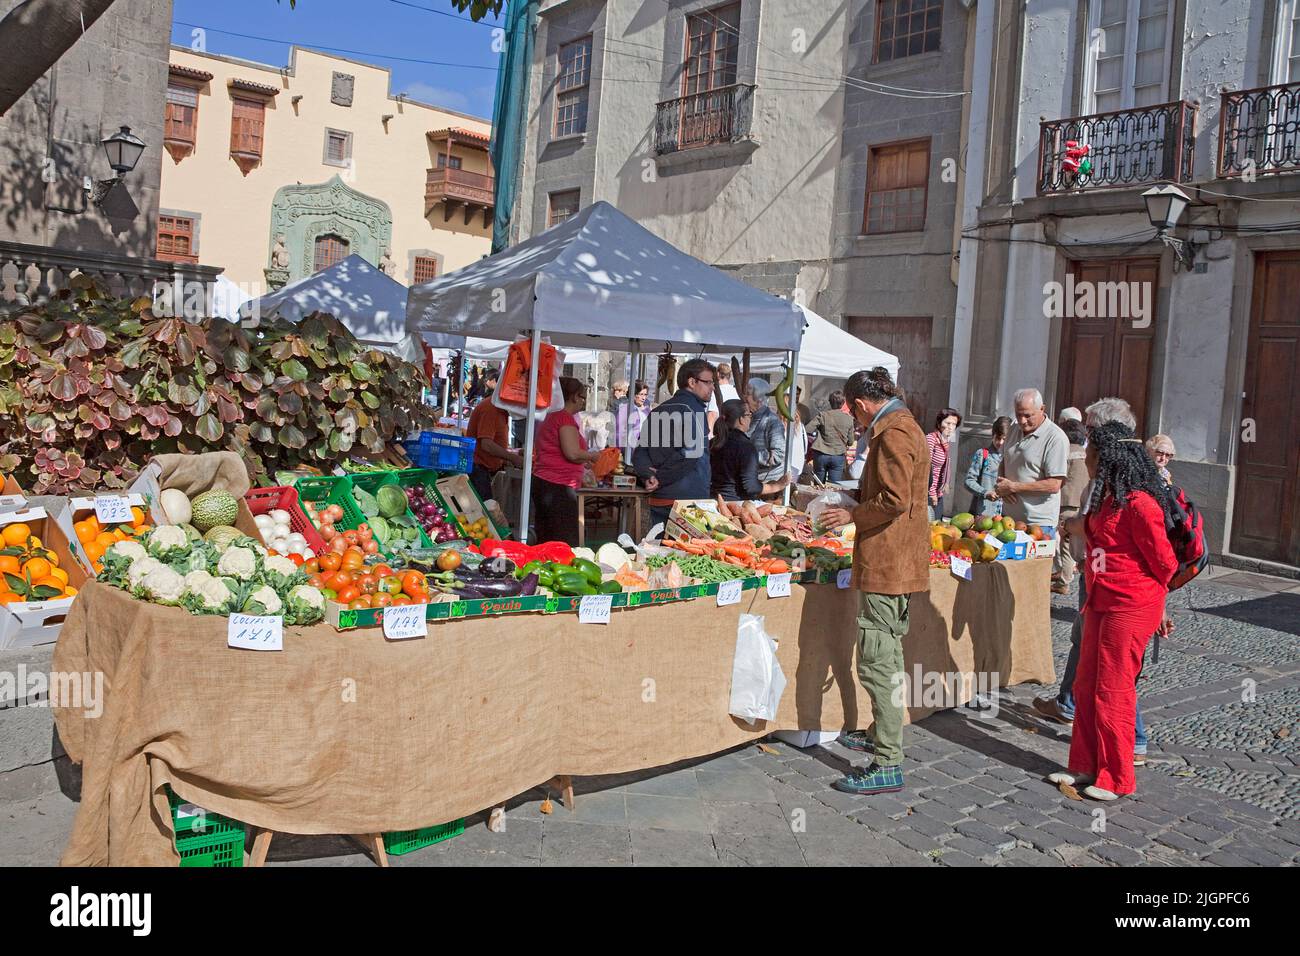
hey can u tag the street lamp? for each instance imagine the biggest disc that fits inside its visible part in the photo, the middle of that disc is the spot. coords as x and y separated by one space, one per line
1165 205
123 149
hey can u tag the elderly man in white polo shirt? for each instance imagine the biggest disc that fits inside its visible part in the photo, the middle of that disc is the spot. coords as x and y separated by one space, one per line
1034 462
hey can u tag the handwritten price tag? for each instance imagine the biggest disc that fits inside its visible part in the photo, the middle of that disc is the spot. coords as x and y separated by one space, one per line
250 632
960 567
729 593
112 509
594 608
778 585
405 621
844 579
992 542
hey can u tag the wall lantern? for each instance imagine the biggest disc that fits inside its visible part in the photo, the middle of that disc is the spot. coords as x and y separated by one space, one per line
1165 206
123 149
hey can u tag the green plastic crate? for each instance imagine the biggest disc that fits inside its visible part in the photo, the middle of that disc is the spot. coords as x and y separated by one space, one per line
213 823
371 482
331 490
212 850
404 841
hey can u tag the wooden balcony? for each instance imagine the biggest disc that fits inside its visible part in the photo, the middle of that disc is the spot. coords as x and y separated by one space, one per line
1150 144
1259 131
459 189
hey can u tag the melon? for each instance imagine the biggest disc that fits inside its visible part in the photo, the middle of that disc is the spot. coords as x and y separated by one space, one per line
221 536
212 508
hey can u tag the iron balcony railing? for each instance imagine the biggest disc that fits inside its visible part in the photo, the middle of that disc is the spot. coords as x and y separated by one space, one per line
1125 148
1259 131
723 115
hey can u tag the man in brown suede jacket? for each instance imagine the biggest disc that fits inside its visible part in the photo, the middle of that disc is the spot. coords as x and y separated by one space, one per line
890 562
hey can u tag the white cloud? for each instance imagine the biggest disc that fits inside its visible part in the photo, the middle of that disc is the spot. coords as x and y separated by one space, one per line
438 96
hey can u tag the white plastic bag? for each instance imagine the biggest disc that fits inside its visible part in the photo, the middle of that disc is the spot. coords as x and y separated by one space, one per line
829 499
757 680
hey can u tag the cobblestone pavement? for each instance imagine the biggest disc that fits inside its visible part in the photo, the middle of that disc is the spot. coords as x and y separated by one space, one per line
1221 788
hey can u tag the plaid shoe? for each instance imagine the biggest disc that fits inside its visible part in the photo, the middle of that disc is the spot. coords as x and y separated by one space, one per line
874 779
857 740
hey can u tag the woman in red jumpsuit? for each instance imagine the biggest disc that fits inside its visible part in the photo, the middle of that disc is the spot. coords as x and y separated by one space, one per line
1128 567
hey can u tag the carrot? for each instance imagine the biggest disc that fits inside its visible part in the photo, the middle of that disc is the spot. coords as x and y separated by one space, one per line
737 550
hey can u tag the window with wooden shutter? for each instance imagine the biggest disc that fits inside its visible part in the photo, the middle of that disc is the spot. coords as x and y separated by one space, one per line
176 239
182 113
712 48
562 206
572 84
329 249
425 270
247 123
897 178
907 27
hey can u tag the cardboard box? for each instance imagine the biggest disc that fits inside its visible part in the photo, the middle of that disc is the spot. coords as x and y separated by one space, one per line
30 623
807 738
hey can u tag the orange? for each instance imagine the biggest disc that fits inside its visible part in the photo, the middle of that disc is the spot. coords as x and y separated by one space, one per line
15 534
8 597
9 563
36 568
94 550
49 581
60 574
119 534
85 531
69 592
51 557
137 517
92 522
33 543
106 538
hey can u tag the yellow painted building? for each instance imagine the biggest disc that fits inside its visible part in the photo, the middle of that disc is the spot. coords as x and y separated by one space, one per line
276 173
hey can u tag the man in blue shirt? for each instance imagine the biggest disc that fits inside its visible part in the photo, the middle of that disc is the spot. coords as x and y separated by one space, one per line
672 453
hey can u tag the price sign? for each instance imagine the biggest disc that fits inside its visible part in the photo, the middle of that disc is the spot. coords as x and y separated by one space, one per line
844 578
404 621
778 585
112 509
594 608
960 567
992 542
729 593
250 632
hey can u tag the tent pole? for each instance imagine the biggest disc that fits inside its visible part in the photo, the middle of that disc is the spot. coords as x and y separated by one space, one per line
460 390
530 426
793 405
446 391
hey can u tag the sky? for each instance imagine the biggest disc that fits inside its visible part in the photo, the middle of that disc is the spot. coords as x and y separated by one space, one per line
372 31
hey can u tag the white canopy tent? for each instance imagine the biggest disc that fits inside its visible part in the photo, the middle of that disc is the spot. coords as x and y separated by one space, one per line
370 304
226 299
826 351
601 280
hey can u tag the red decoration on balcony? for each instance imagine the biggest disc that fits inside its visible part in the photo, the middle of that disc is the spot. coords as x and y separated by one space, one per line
1076 161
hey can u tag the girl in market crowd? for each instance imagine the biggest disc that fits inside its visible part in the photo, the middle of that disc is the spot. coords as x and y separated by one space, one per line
946 424
1161 449
982 473
733 460
557 469
1127 581
631 416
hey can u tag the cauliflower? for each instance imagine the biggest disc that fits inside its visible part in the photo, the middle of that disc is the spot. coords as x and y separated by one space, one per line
168 541
198 558
205 594
161 585
281 573
132 550
139 569
263 600
240 563
305 605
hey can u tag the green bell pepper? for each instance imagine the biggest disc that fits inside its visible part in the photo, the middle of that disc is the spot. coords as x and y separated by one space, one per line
589 569
610 587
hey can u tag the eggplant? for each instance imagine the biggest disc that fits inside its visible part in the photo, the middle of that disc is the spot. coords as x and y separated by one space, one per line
499 587
469 594
498 567
528 586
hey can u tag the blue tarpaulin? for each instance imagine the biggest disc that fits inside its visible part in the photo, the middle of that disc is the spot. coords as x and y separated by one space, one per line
509 113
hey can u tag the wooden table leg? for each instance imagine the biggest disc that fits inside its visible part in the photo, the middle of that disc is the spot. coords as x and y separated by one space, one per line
636 517
261 844
564 784
374 844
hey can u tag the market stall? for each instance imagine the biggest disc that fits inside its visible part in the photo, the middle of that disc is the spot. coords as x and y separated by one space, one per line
345 732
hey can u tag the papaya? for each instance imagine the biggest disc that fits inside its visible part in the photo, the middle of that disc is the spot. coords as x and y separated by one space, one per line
963 521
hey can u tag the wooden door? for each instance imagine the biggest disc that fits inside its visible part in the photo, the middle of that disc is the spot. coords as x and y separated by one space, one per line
1265 515
909 339
1106 345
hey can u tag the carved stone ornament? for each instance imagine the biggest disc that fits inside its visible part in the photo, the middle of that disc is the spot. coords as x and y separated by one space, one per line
301 214
341 89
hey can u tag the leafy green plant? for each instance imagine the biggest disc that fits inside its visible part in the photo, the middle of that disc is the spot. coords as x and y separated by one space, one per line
91 387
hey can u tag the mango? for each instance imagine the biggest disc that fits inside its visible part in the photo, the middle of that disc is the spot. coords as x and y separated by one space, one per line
963 521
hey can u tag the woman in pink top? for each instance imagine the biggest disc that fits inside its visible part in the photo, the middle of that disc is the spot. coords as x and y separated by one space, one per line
946 424
560 456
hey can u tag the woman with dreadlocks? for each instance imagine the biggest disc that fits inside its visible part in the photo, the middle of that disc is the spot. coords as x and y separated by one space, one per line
1128 567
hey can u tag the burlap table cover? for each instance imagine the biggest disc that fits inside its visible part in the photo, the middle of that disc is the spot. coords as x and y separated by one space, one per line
349 733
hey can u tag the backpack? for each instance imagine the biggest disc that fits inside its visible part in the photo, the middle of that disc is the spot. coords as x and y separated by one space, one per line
1186 531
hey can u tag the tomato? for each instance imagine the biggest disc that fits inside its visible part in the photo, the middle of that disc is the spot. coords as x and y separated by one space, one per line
317 581
367 584
382 599
355 548
341 579
382 570
330 562
391 584
350 537
311 566
348 594
413 580
449 560
420 598
358 603
297 559
372 547
353 561
400 600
